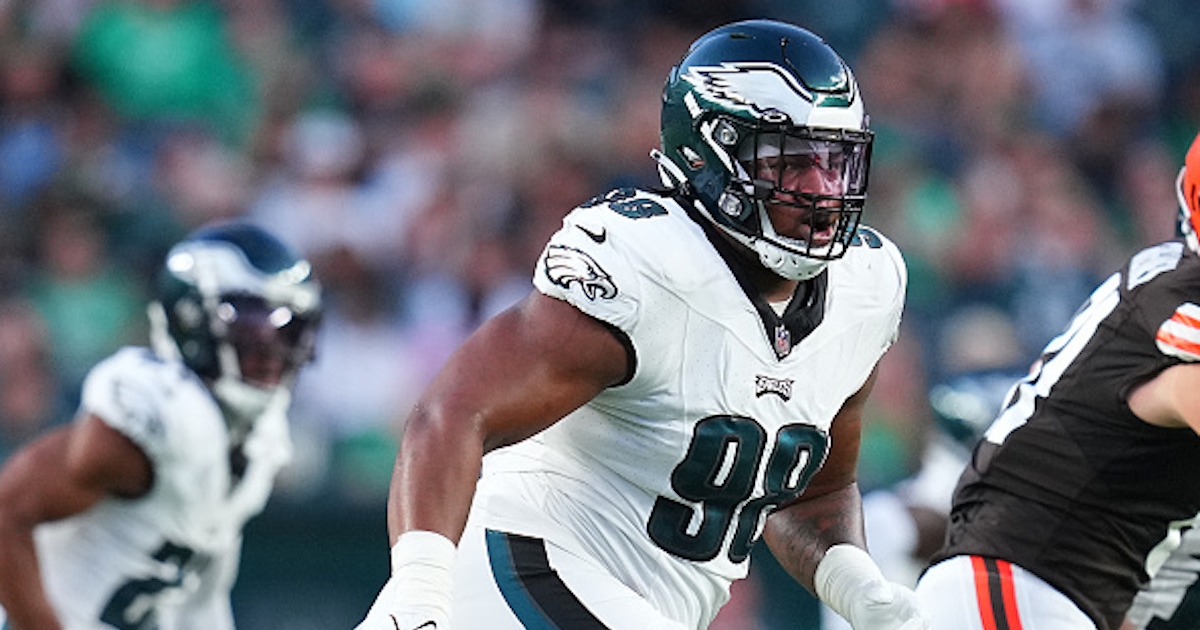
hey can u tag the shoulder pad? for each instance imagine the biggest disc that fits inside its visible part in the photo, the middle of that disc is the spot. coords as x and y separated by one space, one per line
128 391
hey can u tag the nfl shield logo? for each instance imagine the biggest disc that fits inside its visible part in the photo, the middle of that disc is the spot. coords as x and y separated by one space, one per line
783 341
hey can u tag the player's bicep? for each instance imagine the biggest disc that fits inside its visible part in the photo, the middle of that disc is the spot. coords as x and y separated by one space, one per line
1170 399
106 461
527 368
68 470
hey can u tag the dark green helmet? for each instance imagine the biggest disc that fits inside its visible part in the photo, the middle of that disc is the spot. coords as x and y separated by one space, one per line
240 309
966 404
759 92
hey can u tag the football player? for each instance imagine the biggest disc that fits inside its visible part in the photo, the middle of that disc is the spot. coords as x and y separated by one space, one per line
1082 486
131 517
687 377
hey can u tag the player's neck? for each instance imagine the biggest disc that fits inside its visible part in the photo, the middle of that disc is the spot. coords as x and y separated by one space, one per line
777 289
770 285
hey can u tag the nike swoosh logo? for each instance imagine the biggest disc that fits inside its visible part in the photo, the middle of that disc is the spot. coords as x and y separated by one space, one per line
428 625
598 237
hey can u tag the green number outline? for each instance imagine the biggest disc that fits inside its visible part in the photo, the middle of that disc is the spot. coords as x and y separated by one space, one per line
718 474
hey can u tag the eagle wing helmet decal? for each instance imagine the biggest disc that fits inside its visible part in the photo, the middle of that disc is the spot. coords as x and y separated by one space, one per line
761 87
567 265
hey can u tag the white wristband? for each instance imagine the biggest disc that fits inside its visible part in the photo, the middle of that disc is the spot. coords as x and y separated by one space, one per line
842 575
422 568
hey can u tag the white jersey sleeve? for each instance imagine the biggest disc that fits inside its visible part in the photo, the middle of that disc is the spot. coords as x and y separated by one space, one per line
588 266
128 397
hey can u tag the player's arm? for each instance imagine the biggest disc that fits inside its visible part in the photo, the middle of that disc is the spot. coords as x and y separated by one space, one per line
519 373
830 510
1171 398
57 475
820 539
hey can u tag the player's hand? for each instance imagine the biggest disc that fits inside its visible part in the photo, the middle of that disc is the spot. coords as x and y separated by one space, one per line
417 622
390 613
886 606
417 596
848 580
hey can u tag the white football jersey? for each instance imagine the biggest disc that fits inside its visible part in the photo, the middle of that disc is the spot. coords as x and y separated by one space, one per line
171 554
666 479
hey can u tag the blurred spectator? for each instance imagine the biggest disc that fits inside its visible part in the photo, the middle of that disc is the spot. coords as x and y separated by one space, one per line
31 120
1065 246
90 305
275 54
365 377
477 38
201 180
30 398
318 200
1083 56
54 22
161 62
1031 232
1145 185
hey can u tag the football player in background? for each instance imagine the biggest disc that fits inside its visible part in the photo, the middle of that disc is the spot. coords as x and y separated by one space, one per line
131 517
1080 489
688 377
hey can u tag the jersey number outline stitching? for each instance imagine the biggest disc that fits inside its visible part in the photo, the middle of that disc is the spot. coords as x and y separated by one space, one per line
718 475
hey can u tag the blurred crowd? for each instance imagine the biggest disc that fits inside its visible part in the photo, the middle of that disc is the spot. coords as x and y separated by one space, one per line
421 151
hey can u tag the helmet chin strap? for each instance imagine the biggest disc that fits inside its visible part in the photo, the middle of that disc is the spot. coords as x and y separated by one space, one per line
790 264
773 257
241 402
786 264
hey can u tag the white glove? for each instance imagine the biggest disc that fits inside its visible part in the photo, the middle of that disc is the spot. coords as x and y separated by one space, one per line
850 583
417 596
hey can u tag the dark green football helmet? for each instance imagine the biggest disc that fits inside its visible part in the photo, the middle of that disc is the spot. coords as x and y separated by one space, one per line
241 310
763 92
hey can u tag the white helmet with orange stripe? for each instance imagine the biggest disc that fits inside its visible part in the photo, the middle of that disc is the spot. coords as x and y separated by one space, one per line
1187 187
